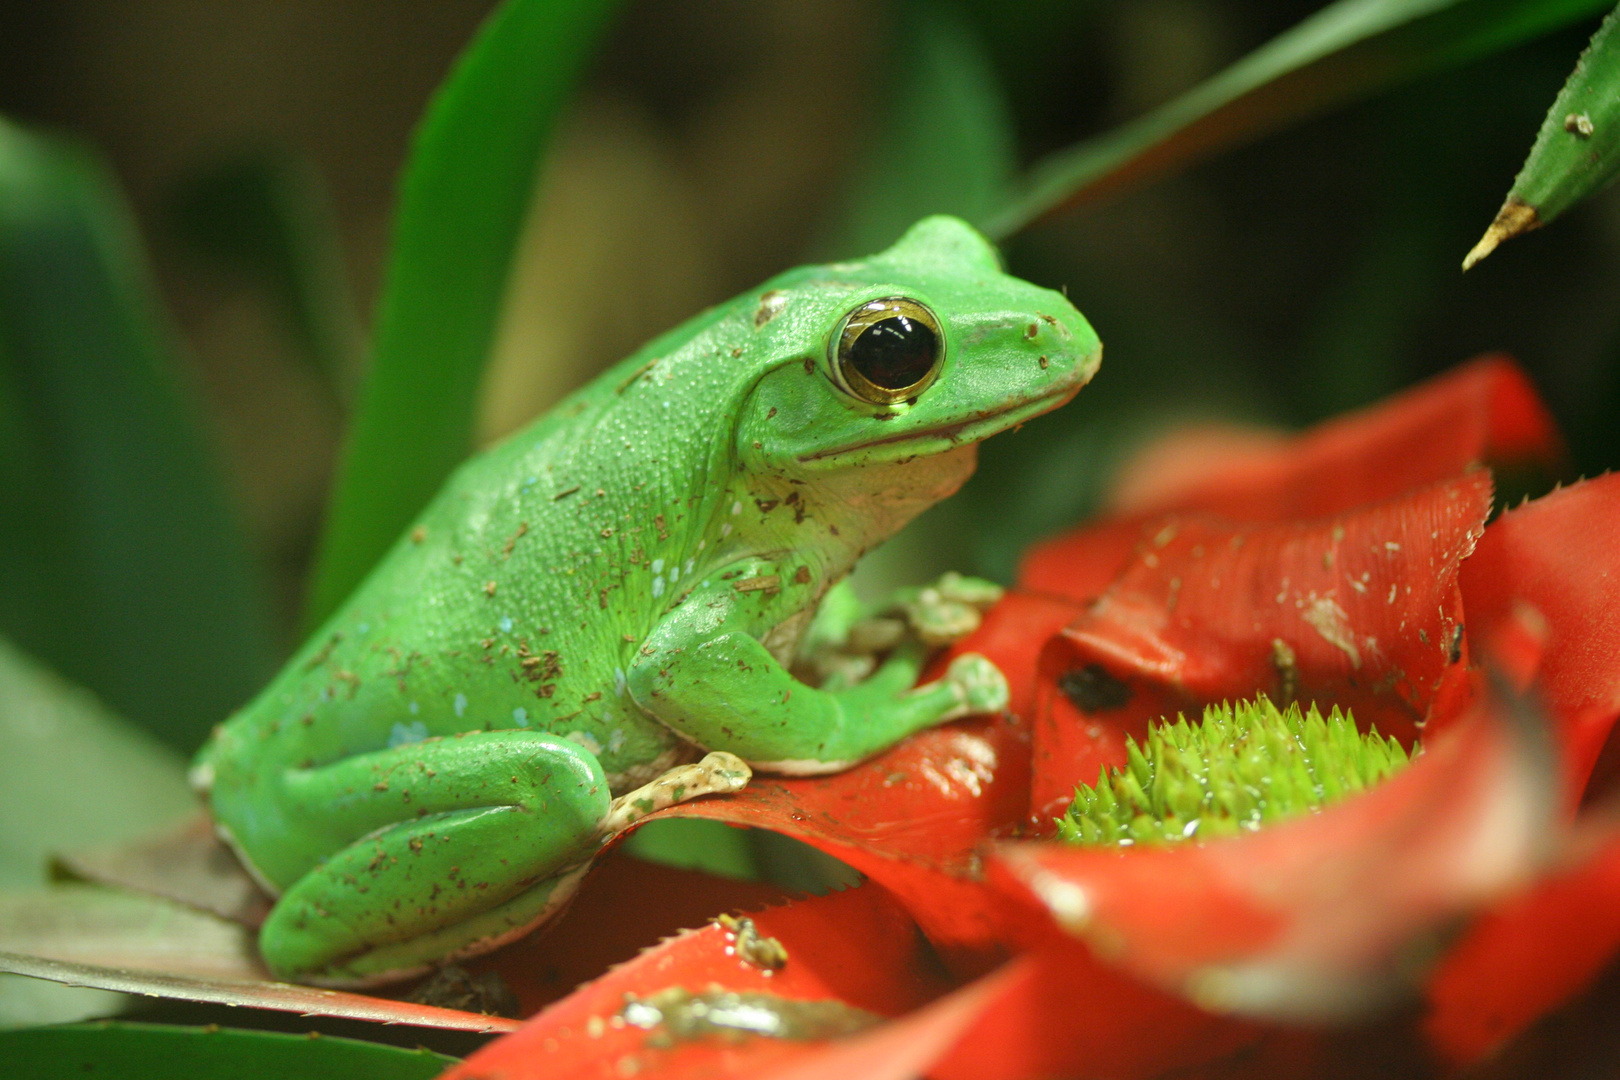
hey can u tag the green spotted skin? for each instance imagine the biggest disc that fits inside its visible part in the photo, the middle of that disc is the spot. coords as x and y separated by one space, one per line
609 590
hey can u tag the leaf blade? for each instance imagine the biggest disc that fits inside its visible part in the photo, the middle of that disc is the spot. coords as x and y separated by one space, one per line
1347 50
1576 151
119 1050
127 571
463 197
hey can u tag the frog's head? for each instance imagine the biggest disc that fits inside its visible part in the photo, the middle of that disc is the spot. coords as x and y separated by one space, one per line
918 351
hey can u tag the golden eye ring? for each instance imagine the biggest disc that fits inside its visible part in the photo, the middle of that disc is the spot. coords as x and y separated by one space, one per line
888 350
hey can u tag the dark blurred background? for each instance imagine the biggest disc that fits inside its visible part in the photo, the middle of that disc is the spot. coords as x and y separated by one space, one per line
1310 272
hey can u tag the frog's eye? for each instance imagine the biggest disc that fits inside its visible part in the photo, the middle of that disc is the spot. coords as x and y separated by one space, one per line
888 350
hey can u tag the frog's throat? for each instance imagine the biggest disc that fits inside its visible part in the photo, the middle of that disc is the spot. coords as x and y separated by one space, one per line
942 437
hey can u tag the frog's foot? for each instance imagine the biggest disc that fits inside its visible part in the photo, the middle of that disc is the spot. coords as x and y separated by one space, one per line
977 685
458 845
937 615
948 610
719 773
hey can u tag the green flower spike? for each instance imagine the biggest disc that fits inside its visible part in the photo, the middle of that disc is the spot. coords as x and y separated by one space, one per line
1244 766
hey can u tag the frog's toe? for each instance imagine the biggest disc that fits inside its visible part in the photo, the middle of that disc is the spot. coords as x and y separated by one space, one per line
978 684
950 609
973 591
719 773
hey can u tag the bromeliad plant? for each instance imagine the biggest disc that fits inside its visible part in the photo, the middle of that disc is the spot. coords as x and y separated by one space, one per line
1362 547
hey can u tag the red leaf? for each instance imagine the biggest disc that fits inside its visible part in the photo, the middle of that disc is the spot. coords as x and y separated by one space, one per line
1529 955
624 906
1557 561
1483 411
906 1047
1060 1012
1314 917
856 947
1079 565
1358 610
911 819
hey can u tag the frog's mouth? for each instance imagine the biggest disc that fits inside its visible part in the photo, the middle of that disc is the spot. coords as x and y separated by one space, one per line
948 436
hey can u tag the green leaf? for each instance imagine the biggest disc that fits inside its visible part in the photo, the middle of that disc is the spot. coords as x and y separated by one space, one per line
1576 151
693 844
113 1051
465 192
940 142
124 567
1346 51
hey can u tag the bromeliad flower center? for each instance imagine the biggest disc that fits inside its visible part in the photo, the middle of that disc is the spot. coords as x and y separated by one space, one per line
1243 766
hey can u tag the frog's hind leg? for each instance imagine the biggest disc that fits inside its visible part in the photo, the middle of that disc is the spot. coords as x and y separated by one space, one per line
441 848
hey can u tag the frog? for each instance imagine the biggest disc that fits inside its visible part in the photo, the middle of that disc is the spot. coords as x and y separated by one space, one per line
597 617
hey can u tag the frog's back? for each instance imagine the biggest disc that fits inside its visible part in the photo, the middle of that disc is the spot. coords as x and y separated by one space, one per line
517 598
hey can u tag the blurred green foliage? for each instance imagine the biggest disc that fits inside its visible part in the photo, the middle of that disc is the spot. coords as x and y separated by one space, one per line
124 567
139 1051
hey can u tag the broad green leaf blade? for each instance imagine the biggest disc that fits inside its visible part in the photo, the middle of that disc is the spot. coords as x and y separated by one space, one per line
1576 151
941 142
123 566
116 1051
1346 51
465 191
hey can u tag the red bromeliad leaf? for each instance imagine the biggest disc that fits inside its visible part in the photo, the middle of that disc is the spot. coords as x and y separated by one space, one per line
905 1048
1059 1011
1079 565
1317 917
624 906
910 819
1361 610
1556 561
1483 411
1529 955
848 951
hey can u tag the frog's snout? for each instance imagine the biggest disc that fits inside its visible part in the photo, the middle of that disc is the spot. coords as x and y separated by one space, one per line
1047 353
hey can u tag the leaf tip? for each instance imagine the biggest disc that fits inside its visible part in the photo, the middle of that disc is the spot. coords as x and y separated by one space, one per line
1515 218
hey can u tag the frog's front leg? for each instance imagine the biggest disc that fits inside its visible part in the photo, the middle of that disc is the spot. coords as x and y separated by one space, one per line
705 673
440 848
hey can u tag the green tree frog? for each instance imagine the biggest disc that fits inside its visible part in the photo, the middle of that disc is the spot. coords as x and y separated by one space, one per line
587 608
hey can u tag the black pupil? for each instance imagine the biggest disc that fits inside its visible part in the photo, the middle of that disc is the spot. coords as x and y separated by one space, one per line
894 353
